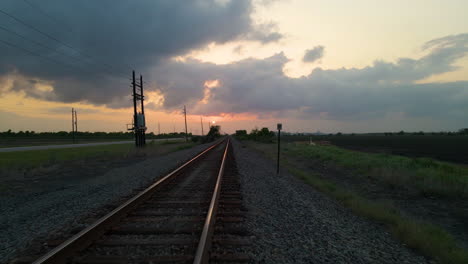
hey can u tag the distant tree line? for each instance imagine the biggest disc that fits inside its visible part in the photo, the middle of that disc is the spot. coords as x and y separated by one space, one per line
262 135
83 135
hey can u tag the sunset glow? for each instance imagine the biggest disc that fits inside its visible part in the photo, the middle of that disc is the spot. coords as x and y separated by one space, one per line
256 75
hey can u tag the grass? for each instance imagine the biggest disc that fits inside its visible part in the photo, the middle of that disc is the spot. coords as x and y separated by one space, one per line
428 239
430 177
453 148
34 158
42 142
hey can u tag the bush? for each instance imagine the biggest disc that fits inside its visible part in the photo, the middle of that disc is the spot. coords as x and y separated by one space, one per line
241 134
262 135
212 135
197 138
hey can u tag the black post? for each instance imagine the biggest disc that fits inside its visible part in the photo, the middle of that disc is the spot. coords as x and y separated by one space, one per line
185 116
76 124
73 125
201 123
135 118
143 132
279 143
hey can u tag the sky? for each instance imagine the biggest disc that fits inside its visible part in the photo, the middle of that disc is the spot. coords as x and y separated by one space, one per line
312 65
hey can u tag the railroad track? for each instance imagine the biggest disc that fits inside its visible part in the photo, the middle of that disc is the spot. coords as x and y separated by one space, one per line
192 215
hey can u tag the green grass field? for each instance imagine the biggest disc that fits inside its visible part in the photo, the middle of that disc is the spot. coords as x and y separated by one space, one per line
429 176
33 158
452 148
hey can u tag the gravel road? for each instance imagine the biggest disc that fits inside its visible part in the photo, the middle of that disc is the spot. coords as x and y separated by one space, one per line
28 216
294 223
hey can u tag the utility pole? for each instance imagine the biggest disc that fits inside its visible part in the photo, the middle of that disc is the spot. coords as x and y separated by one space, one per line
76 123
201 123
279 126
73 125
139 126
135 117
143 134
185 117
159 129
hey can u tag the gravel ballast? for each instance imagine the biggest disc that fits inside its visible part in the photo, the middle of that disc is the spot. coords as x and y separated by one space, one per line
294 223
25 217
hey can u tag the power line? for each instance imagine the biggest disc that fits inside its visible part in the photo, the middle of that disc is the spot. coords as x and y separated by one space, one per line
49 36
69 29
36 54
33 41
42 57
34 6
35 29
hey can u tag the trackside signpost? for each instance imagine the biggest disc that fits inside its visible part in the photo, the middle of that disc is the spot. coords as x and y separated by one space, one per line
279 126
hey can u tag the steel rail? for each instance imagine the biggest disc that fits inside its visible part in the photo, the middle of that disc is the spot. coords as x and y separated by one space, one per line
85 237
202 254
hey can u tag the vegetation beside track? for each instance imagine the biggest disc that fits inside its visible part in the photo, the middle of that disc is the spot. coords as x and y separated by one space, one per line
35 158
452 147
31 138
429 176
425 174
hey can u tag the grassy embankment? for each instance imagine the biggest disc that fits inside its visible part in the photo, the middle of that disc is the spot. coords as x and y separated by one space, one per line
428 176
34 158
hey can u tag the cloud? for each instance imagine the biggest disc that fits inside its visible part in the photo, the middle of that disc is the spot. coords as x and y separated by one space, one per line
265 33
112 38
314 54
259 86
119 41
66 110
239 49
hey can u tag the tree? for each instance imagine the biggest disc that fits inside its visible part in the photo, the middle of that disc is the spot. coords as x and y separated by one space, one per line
263 135
463 131
241 134
213 134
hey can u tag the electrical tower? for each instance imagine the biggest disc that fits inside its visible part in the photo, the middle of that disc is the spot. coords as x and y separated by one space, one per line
139 126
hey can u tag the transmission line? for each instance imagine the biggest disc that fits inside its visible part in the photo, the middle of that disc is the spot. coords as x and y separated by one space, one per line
37 54
34 6
50 37
35 42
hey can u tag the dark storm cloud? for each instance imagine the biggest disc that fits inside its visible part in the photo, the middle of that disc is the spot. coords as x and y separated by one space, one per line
62 110
314 54
259 86
112 37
